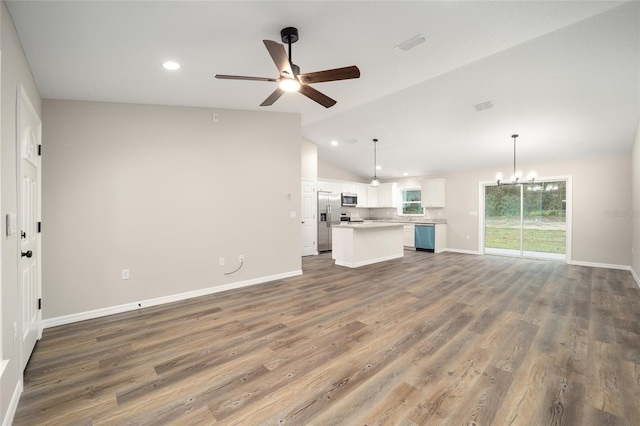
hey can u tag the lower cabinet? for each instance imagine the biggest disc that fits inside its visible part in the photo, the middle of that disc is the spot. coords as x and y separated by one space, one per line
441 237
409 236
431 238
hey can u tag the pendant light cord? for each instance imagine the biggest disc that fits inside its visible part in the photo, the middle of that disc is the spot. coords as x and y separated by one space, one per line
375 157
514 157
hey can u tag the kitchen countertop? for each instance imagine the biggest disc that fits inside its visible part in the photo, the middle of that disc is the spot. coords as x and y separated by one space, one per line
370 225
408 221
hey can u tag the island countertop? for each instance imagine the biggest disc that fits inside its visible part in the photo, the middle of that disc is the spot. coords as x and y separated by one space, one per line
370 225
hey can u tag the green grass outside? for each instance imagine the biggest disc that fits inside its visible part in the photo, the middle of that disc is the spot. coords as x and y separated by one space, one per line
540 240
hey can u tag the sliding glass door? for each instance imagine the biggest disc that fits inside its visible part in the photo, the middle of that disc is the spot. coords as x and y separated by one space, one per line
526 220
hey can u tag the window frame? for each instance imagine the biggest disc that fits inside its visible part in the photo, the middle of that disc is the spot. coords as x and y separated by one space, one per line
403 203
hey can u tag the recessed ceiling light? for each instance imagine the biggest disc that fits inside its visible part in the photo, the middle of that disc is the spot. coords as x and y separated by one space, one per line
405 174
378 167
171 65
334 143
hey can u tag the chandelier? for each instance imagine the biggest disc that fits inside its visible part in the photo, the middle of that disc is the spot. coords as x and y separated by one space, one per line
517 174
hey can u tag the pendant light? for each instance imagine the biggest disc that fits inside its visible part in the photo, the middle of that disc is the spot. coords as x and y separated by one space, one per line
517 174
375 181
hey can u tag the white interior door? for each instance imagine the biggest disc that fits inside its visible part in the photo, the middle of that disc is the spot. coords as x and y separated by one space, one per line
309 227
29 132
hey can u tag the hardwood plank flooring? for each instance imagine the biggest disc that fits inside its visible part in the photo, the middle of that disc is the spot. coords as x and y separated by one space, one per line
429 339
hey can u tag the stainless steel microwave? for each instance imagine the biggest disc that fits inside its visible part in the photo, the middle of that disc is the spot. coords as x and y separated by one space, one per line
349 200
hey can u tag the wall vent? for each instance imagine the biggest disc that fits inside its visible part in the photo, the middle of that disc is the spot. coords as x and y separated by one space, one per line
484 105
412 42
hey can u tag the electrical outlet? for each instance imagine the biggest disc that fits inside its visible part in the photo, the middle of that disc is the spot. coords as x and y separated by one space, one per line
221 261
241 258
125 274
468 237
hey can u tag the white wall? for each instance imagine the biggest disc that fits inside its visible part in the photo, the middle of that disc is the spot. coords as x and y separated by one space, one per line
634 214
601 187
164 192
328 170
309 154
14 70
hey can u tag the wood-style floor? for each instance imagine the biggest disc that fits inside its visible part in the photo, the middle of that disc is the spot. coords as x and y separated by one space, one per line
430 339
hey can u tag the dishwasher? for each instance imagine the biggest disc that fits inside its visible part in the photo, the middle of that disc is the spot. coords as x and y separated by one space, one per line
425 237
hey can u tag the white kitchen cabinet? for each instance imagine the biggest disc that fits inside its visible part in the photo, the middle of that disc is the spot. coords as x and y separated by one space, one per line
388 195
361 190
372 196
349 188
441 237
323 185
409 236
433 193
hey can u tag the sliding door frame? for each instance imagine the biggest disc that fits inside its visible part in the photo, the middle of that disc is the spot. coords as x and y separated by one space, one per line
569 215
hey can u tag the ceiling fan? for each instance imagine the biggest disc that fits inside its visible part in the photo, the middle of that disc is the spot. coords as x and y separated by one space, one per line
290 79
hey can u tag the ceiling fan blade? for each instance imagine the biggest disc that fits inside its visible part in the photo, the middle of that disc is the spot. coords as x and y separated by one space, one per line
279 56
241 77
345 73
319 97
273 97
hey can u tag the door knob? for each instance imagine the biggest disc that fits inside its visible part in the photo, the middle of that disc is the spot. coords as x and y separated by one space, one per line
27 254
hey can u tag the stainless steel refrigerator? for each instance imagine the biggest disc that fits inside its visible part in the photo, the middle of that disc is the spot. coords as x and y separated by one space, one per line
328 216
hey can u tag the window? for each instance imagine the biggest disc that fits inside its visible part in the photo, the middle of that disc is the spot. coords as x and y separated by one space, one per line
412 202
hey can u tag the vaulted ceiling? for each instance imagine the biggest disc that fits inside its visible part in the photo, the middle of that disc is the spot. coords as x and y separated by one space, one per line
564 75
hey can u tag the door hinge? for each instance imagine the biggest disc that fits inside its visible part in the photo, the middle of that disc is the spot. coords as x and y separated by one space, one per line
40 304
39 227
40 150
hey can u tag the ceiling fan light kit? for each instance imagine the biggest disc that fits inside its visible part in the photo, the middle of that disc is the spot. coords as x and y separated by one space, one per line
291 80
289 84
517 174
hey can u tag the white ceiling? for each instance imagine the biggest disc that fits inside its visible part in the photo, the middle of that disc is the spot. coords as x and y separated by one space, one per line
564 75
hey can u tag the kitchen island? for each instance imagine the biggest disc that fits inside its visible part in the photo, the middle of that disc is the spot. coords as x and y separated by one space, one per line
359 244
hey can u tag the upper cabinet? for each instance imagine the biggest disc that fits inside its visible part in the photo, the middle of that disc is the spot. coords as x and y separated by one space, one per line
388 195
433 193
372 196
323 185
329 186
361 190
385 195
349 187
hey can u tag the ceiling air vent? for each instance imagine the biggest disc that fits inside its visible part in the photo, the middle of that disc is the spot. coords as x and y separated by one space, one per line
484 105
412 42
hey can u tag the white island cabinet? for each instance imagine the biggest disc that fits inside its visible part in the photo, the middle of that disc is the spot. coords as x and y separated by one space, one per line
361 244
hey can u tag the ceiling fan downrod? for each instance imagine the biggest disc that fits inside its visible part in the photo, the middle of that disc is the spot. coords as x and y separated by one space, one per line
289 36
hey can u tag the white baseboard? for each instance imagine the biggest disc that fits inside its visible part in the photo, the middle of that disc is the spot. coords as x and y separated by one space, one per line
97 313
13 405
635 276
368 262
600 265
462 251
